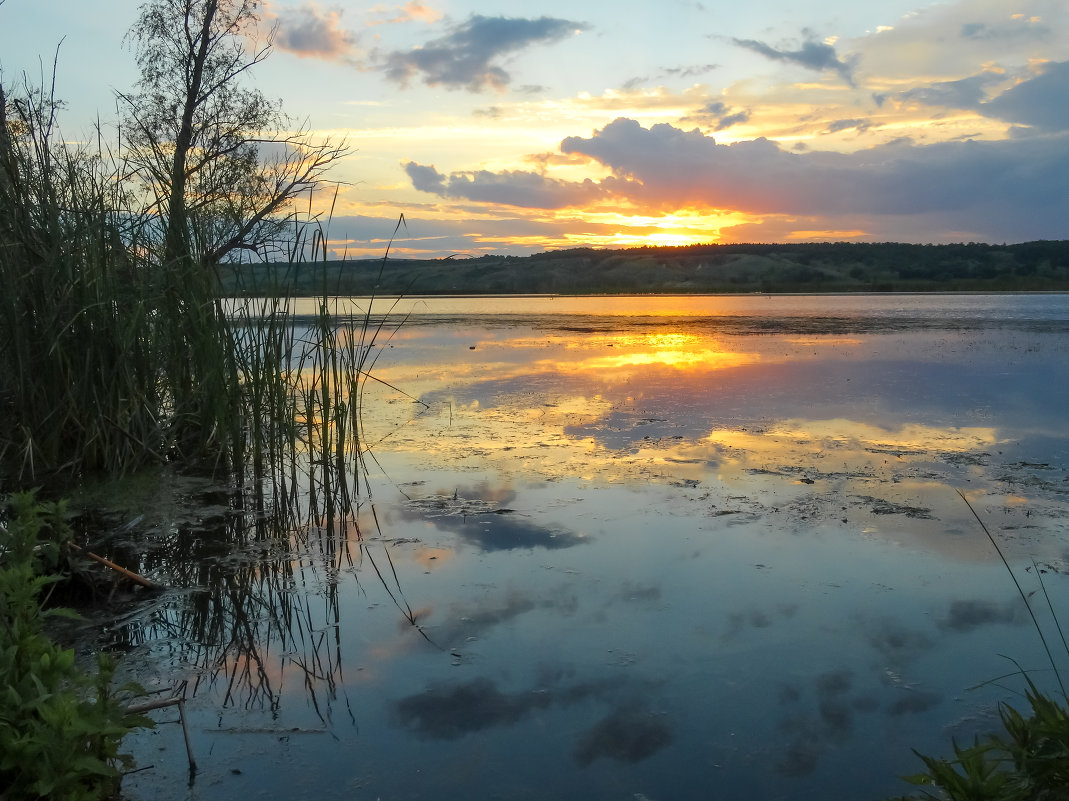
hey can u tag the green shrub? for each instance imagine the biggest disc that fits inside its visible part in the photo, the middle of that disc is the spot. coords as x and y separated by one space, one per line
1030 762
60 728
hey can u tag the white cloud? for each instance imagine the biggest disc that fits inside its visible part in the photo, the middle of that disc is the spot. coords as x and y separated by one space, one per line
310 32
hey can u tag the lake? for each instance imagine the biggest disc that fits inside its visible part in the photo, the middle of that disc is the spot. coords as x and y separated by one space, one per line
634 548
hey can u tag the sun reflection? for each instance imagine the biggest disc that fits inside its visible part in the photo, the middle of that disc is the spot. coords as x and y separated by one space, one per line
679 359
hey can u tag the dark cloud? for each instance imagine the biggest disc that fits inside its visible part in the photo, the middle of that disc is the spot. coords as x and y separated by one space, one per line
310 33
812 55
515 187
426 179
847 125
1014 188
1041 102
728 120
967 93
718 116
629 733
1015 27
467 56
1008 190
692 71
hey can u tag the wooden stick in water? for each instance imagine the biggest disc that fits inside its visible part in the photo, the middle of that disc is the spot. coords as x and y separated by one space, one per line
138 709
144 582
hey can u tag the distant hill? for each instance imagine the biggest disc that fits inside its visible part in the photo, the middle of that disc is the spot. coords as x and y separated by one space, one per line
806 267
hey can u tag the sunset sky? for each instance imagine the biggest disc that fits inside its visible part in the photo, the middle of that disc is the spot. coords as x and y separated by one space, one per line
507 127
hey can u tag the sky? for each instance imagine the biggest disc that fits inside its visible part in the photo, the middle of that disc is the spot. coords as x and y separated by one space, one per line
509 127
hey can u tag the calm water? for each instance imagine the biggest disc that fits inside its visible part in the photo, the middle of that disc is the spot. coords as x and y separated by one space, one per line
635 548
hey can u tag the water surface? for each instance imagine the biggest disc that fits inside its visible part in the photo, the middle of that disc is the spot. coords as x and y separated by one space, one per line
635 548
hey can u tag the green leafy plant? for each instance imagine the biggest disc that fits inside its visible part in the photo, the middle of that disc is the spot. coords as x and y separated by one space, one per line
1029 761
60 728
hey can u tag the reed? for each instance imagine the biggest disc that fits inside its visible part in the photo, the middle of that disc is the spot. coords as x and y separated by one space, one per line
1029 760
112 359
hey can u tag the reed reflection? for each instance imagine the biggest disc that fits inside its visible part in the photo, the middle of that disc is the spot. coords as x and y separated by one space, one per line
254 611
256 561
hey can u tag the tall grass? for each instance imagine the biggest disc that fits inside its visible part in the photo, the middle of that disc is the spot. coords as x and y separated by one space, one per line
79 382
111 358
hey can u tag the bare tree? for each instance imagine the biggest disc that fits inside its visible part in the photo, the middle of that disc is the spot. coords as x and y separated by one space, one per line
222 164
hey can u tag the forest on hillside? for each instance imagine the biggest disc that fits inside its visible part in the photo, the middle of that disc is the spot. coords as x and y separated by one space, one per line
766 268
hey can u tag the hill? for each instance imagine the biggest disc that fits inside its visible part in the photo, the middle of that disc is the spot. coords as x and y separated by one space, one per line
804 267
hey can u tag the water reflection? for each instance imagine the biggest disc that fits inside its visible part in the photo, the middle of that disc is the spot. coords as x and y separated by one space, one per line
623 557
254 613
482 518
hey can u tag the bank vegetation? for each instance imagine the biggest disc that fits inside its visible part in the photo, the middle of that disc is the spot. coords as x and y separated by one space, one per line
768 268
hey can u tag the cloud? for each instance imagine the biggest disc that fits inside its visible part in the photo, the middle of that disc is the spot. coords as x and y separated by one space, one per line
847 125
718 116
1001 184
1015 26
409 12
1041 102
309 32
966 93
728 120
692 71
1004 190
466 57
515 187
812 55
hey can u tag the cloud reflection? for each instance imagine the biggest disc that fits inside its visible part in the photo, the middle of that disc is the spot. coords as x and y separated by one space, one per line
629 733
965 616
480 517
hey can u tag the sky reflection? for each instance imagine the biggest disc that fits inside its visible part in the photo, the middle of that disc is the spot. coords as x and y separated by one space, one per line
642 561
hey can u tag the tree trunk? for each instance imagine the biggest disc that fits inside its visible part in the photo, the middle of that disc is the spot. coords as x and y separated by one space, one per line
177 249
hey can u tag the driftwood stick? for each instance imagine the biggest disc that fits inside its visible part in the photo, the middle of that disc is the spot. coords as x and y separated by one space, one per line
185 733
148 706
138 709
138 579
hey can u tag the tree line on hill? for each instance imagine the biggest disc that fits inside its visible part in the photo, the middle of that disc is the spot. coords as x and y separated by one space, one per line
735 268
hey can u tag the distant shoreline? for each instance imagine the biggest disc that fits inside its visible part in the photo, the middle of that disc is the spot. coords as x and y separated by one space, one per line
801 269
